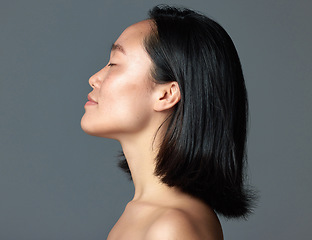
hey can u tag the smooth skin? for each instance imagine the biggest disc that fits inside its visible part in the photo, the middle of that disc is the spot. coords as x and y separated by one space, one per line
127 105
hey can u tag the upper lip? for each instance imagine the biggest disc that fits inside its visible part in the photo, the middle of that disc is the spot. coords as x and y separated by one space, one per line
91 99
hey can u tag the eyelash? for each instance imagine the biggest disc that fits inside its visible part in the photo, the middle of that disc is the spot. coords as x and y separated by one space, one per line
110 64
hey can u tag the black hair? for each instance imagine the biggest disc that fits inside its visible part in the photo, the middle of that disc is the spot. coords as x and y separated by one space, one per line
203 152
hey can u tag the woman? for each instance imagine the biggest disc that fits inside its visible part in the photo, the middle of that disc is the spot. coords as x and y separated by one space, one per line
173 95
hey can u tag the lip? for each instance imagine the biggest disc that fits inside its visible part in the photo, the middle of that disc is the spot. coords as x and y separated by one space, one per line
90 101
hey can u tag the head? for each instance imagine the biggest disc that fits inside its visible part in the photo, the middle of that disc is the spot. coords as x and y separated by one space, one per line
125 101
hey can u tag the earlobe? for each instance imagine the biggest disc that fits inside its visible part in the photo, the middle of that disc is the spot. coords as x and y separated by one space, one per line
168 95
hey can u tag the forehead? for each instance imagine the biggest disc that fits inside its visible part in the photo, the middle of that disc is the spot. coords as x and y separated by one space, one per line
134 35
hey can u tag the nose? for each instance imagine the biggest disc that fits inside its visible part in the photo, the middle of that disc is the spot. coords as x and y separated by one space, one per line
95 80
92 81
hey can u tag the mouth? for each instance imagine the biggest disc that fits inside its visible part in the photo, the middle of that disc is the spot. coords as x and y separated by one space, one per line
91 101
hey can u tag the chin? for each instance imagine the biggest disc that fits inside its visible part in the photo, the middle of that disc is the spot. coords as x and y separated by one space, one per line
87 127
90 131
96 129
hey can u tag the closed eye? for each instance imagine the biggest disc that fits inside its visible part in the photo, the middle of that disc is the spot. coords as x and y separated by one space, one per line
111 64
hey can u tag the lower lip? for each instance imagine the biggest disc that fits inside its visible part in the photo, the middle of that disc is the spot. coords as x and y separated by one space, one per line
90 103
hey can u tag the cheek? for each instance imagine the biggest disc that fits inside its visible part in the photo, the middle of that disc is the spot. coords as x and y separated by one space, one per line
123 107
125 100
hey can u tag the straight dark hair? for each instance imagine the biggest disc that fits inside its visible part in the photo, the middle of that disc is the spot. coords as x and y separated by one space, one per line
203 150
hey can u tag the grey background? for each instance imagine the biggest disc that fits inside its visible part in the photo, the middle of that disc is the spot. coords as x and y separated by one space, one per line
56 182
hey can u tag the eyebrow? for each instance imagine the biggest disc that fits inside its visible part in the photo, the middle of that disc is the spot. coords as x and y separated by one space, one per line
118 47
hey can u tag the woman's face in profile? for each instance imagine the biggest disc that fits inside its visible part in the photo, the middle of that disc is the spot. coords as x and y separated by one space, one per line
121 102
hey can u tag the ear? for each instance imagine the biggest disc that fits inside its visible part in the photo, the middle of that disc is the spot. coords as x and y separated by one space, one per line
167 96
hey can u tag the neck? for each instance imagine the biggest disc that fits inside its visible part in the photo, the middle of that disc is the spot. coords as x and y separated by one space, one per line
141 154
141 151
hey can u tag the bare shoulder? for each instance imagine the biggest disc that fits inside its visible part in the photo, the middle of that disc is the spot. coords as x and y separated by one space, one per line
177 224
